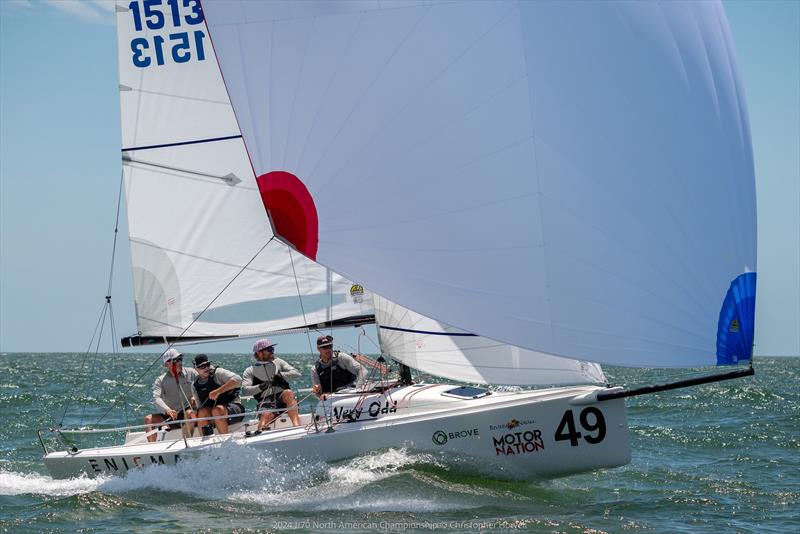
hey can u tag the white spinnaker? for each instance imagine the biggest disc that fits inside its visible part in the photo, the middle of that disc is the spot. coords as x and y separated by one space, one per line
441 350
572 178
194 212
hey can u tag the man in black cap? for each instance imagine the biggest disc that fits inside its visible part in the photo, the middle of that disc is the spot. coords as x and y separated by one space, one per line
216 393
334 370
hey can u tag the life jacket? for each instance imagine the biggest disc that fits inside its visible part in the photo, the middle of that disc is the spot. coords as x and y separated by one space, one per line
334 376
232 395
277 381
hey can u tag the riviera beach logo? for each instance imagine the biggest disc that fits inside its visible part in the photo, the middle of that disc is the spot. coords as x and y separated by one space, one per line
439 437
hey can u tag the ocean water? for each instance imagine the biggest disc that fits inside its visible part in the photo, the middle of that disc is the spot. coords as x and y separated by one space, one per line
721 457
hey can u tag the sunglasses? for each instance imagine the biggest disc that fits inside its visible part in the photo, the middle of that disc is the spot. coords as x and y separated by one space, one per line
179 359
204 365
269 349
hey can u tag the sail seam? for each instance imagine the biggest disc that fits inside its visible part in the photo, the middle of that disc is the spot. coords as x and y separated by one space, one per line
546 265
467 334
183 143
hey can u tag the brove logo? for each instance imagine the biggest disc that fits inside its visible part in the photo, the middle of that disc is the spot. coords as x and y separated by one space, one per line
439 437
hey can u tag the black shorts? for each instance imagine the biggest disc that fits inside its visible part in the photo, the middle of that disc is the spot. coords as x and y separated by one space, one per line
172 426
235 408
272 402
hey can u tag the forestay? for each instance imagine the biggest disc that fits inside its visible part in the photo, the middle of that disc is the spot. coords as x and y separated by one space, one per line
441 350
196 219
571 178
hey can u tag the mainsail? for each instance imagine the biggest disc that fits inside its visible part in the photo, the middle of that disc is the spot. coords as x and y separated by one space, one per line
205 260
572 178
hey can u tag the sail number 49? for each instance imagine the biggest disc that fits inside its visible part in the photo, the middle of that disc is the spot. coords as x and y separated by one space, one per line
566 428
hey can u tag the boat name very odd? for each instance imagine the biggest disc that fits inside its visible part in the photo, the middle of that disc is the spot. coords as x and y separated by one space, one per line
374 409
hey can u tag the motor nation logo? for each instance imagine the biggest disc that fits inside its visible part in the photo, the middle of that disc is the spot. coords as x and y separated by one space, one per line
518 442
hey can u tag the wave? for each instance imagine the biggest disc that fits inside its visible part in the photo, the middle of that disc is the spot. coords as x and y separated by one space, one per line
35 484
238 473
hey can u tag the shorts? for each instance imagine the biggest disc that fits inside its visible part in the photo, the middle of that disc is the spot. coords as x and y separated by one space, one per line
173 426
235 408
272 402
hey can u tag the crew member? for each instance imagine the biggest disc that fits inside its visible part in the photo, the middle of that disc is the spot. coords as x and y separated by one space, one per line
216 393
266 380
335 370
171 394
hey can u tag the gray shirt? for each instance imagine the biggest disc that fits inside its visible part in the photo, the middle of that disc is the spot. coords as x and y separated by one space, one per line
221 377
345 361
265 372
166 395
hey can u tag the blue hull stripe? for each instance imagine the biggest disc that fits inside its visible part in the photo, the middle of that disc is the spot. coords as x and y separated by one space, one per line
183 143
464 334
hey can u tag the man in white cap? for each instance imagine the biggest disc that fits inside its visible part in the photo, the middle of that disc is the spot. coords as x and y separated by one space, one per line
266 381
334 370
172 392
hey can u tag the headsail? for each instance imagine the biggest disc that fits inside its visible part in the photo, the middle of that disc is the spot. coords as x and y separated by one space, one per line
202 248
442 350
572 178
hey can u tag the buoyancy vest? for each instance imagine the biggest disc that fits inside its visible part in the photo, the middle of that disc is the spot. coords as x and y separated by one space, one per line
203 389
278 382
333 377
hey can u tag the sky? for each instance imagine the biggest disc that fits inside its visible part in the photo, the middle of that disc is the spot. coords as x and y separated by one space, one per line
60 172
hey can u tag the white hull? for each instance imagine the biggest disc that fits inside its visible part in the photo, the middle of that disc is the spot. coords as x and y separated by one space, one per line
509 435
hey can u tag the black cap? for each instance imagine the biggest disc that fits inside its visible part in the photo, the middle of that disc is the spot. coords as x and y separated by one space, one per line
200 359
324 341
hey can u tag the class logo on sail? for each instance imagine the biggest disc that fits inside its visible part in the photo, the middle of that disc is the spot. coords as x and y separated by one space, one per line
357 293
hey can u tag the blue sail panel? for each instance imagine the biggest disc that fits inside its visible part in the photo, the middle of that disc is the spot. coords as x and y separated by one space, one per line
737 321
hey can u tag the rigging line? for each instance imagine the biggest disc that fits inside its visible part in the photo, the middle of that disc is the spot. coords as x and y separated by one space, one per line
107 311
116 232
113 326
328 419
83 362
232 280
300 298
377 346
329 280
94 360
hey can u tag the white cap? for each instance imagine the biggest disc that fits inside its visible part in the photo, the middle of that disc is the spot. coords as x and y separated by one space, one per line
171 354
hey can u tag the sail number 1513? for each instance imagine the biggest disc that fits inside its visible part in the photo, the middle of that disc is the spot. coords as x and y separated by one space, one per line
180 46
566 430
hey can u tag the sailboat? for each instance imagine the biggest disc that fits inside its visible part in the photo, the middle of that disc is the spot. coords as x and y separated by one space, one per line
513 192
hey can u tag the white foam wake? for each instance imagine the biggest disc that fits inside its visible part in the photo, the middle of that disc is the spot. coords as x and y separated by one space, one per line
239 473
20 484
